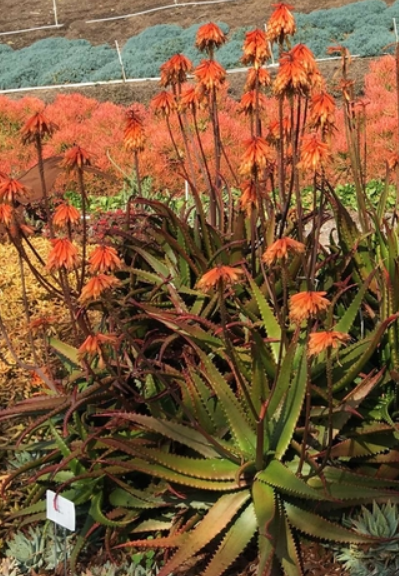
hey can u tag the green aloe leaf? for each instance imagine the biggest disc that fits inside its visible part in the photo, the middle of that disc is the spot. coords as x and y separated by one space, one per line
234 542
67 353
263 497
276 474
270 323
212 525
346 322
286 548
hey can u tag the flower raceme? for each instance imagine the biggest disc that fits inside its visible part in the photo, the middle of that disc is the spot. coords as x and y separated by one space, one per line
322 111
280 249
256 156
175 70
11 190
256 48
65 214
63 255
281 23
321 341
134 136
103 259
93 346
210 74
248 198
305 305
219 276
209 36
292 75
96 286
192 97
163 103
76 157
37 126
314 153
5 214
252 100
257 77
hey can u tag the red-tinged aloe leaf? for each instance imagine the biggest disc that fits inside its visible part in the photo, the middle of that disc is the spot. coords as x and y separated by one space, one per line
204 397
276 474
131 498
137 464
389 458
152 525
35 406
210 527
287 419
318 527
234 542
172 430
270 322
357 448
239 425
263 497
286 549
166 542
206 468
335 475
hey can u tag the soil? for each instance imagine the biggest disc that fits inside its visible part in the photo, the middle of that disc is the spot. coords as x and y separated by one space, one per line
74 14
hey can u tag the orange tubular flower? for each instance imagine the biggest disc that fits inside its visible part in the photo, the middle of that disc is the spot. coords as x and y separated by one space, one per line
134 131
11 190
256 155
260 77
65 214
321 341
62 255
292 76
41 324
96 286
248 198
280 249
256 48
93 346
281 23
192 97
210 74
307 304
5 214
37 126
220 275
175 70
250 100
103 259
306 56
209 36
322 111
163 103
314 153
76 157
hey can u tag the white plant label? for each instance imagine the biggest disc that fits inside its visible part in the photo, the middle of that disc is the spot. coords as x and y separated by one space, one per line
60 510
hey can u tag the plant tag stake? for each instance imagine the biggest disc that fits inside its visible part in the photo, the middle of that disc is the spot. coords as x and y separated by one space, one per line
60 510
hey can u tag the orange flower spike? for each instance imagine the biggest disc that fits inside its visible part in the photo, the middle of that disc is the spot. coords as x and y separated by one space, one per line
307 304
134 136
280 249
65 214
256 156
76 157
209 36
292 76
248 198
96 286
163 103
191 98
250 100
306 56
104 259
260 77
314 153
281 23
322 110
5 214
220 275
175 70
11 190
322 341
256 48
37 125
93 344
62 255
210 74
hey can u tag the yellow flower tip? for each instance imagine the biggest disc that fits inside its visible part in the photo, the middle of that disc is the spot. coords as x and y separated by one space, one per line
322 341
220 275
306 305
